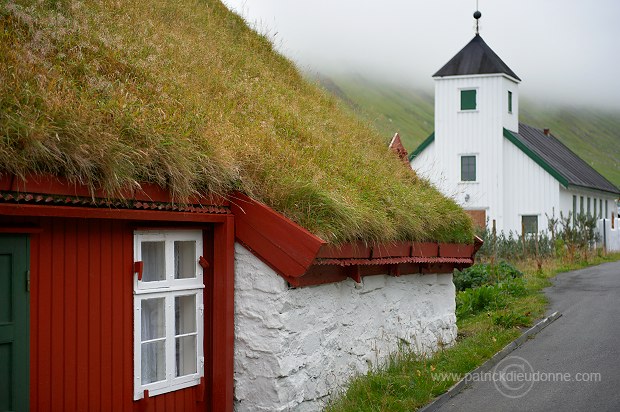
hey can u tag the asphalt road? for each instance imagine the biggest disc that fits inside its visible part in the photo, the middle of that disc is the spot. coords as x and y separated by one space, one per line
556 371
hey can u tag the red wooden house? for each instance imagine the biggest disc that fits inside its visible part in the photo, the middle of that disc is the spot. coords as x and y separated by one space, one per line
71 280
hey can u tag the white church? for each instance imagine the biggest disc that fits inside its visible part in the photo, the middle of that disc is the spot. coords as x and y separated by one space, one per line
495 167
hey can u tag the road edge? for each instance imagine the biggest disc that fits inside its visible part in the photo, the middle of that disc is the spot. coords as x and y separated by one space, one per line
488 365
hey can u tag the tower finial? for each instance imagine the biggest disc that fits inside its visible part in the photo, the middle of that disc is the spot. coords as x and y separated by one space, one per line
477 16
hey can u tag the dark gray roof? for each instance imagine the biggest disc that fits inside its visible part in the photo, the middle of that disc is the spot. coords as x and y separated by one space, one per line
475 58
558 160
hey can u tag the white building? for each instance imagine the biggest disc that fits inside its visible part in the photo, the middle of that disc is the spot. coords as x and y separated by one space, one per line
494 166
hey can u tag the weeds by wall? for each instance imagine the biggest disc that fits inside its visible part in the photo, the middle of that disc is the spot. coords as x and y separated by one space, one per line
570 237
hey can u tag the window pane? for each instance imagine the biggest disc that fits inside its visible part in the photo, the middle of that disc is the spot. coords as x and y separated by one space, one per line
184 259
153 361
186 355
468 100
185 314
468 168
530 224
509 102
153 256
153 319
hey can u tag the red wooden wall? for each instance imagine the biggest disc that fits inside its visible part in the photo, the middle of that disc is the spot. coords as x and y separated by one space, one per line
82 321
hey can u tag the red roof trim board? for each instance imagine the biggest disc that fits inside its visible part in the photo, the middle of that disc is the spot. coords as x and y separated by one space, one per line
58 200
51 185
299 256
304 259
281 243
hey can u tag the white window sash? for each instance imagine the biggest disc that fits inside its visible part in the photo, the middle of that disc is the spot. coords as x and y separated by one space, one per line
169 238
168 289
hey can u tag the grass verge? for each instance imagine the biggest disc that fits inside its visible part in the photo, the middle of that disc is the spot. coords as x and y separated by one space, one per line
408 381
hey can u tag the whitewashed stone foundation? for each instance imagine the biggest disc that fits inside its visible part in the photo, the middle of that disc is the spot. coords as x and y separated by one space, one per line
295 347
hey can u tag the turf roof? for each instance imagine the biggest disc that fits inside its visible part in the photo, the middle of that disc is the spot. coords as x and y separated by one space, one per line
185 95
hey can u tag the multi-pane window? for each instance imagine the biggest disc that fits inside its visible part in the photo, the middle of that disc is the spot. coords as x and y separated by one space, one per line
509 102
468 168
600 208
168 311
581 205
530 224
589 207
468 99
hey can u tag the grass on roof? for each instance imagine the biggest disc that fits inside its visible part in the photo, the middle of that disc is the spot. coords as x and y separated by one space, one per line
183 94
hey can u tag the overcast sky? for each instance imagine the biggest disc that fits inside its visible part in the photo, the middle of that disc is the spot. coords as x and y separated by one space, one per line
566 50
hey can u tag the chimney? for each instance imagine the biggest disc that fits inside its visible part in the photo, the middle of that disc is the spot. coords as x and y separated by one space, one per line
546 132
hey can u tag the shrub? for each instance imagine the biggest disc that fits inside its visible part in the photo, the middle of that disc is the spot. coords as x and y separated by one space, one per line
488 297
472 301
566 236
484 274
513 287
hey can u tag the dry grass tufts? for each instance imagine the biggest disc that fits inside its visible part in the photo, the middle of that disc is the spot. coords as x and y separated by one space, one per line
185 95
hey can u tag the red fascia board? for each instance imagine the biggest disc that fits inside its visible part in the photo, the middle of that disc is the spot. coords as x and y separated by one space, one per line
455 250
288 247
394 260
395 249
51 185
267 250
17 209
347 250
20 229
304 259
322 274
425 249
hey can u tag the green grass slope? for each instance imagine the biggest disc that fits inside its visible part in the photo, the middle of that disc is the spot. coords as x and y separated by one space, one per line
592 134
183 94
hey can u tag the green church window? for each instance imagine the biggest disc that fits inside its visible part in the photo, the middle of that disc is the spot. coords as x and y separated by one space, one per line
468 99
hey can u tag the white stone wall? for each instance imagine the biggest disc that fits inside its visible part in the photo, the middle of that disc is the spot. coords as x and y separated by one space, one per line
295 347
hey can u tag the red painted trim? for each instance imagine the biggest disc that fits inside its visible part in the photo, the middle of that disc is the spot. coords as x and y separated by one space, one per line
20 229
101 213
222 354
288 247
396 249
456 250
347 250
304 259
393 261
51 185
425 249
322 274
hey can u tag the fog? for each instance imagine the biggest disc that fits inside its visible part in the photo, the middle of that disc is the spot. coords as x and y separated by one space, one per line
563 50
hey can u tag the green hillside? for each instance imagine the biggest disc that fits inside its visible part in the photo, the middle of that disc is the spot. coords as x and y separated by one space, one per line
592 134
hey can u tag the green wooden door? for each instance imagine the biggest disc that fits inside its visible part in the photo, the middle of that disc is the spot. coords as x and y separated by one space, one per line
14 323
